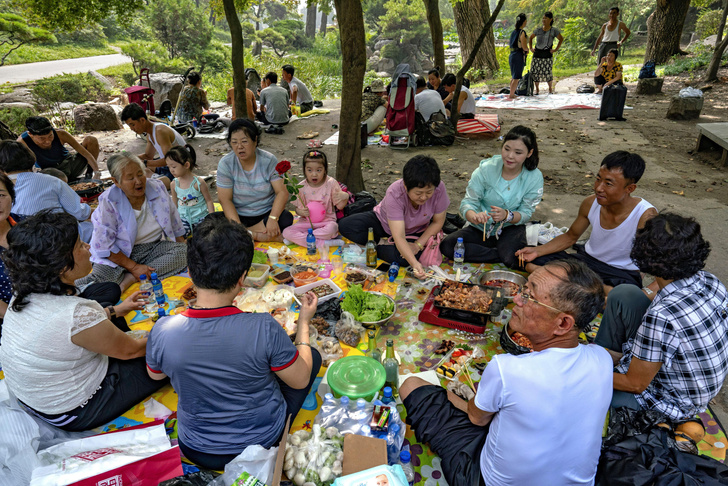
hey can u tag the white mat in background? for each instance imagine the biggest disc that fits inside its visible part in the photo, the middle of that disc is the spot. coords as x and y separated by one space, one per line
557 101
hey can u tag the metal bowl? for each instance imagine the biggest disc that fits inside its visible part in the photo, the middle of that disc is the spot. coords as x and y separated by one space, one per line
509 345
503 275
92 191
371 325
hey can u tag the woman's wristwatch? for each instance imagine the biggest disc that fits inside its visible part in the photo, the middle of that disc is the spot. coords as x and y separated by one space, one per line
112 312
274 218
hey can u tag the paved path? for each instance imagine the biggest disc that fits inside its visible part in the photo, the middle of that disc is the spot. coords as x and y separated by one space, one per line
19 73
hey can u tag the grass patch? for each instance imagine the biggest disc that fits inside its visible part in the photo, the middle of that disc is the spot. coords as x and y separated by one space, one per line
122 74
53 52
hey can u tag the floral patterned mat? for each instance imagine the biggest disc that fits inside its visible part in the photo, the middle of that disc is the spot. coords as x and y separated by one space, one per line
414 341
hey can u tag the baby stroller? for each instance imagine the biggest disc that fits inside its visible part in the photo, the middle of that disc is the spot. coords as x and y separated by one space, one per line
401 108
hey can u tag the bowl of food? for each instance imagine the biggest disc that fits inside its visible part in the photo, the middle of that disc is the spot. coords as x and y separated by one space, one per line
304 274
514 342
370 309
510 282
88 187
278 296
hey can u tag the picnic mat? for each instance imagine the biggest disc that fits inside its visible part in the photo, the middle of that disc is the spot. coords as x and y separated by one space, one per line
483 123
556 101
415 343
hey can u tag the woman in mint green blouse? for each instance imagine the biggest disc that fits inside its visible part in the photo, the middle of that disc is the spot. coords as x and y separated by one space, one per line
502 194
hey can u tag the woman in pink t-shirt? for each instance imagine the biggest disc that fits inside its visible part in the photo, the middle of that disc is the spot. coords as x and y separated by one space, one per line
413 206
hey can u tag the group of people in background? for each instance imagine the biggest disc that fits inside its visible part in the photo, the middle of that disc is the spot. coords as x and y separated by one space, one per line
608 43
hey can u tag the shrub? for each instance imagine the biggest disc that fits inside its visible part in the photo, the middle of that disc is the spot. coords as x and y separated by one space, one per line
90 35
51 93
328 45
15 118
707 23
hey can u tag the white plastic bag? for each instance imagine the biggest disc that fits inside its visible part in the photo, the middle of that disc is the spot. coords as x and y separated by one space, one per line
254 460
690 92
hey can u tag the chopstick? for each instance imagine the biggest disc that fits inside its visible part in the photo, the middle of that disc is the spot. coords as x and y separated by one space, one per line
521 262
468 378
297 301
484 225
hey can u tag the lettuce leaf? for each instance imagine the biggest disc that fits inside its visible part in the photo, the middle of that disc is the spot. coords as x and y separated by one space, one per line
365 306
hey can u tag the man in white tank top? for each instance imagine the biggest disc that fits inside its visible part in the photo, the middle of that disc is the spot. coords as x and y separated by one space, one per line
160 138
614 215
609 36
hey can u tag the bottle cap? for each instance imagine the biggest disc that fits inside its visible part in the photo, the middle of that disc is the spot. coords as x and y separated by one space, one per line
161 313
345 400
404 456
310 231
371 335
154 275
387 391
361 403
394 428
328 396
142 277
460 240
366 430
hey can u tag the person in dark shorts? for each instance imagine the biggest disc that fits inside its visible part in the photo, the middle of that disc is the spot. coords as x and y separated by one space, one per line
48 147
519 51
527 399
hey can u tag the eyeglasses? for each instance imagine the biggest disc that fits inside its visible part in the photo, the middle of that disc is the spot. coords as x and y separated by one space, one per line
526 297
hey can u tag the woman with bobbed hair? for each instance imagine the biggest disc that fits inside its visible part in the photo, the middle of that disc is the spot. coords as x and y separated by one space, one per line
519 52
137 229
671 353
63 358
502 194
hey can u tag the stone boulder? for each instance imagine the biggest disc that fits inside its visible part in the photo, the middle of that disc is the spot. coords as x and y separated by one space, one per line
649 86
414 64
427 65
16 104
20 95
684 108
106 81
252 81
6 133
381 43
370 53
386 65
94 117
166 86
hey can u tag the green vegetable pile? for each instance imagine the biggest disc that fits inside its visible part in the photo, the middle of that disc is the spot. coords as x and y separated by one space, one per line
366 306
260 257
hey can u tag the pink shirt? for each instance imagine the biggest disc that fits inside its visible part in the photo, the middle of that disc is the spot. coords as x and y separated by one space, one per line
323 194
396 206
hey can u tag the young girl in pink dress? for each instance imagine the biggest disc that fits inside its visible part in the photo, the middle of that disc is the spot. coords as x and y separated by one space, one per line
320 193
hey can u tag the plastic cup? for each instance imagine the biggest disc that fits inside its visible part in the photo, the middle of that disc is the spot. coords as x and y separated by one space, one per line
338 264
273 255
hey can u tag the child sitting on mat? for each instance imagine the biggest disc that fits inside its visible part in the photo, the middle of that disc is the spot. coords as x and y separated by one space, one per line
317 202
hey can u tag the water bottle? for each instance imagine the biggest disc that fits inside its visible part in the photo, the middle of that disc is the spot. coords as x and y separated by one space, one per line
158 290
409 472
459 254
393 271
310 243
387 399
360 414
392 449
147 292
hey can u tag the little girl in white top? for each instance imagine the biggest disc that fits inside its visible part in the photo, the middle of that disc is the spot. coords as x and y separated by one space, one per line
321 189
188 191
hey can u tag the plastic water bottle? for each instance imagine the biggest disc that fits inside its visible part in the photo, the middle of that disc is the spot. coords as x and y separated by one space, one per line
310 243
158 290
392 449
387 398
147 292
393 271
459 254
409 472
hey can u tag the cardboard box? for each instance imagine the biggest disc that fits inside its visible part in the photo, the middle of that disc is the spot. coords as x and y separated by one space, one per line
360 453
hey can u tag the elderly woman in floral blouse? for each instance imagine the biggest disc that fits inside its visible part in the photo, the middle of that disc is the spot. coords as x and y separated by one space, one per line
137 229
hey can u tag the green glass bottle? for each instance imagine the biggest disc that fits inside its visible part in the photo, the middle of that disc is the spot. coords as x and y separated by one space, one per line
391 369
373 351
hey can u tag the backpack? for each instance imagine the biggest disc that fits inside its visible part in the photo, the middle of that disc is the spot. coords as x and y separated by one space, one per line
436 131
648 70
525 85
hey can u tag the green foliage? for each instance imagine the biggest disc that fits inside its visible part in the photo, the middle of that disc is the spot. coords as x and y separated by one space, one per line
708 22
51 52
15 32
328 45
373 11
180 27
406 22
696 60
133 27
51 93
284 35
70 14
14 118
575 51
89 35
123 74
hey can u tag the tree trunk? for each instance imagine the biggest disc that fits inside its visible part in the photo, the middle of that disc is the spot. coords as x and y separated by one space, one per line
721 26
353 50
238 58
311 21
469 26
664 29
487 27
712 73
324 21
432 7
258 46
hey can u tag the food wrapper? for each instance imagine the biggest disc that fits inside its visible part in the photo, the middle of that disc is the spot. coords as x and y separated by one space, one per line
348 330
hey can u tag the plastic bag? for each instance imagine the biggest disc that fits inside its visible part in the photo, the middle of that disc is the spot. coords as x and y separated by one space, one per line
197 478
330 350
690 92
314 457
394 477
348 330
254 460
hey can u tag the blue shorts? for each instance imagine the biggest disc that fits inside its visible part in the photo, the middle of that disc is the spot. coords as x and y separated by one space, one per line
164 171
517 61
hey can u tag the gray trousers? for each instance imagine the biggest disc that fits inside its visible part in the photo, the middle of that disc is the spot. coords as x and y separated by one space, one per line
604 49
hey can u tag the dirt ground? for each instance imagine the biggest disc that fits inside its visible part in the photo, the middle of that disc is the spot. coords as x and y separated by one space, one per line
572 144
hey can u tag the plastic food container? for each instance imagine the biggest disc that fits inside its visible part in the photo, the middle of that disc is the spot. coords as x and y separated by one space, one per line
327 281
278 296
356 377
297 269
260 279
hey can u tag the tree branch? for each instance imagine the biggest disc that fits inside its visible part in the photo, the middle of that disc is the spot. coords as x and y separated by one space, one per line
454 112
2 61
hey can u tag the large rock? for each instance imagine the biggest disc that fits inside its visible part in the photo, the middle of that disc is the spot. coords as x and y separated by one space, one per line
22 106
6 133
252 81
166 86
649 86
369 52
427 65
381 43
414 64
20 95
94 117
386 65
106 81
684 108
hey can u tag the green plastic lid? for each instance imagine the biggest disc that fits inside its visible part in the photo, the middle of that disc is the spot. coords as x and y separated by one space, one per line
356 377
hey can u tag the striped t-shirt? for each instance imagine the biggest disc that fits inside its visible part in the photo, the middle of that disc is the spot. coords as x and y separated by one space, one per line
253 193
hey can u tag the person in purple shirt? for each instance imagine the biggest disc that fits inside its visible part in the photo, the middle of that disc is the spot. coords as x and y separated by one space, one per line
137 229
415 205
